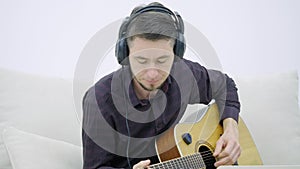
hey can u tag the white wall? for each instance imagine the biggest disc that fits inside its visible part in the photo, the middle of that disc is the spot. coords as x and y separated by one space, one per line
249 36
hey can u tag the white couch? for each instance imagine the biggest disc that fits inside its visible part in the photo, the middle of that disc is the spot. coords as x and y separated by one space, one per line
40 127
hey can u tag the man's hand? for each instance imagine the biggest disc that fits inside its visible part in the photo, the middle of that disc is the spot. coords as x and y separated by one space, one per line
142 164
227 147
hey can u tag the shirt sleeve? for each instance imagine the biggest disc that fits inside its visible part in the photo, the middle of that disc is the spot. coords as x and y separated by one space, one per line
224 91
213 84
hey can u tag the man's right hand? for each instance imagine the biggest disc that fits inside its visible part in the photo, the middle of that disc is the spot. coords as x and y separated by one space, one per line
142 164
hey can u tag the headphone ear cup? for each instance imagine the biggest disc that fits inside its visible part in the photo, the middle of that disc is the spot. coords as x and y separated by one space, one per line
179 47
122 51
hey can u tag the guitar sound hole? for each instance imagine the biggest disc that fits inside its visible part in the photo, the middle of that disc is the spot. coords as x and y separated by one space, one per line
208 157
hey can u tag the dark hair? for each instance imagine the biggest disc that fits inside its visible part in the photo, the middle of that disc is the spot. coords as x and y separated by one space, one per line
151 25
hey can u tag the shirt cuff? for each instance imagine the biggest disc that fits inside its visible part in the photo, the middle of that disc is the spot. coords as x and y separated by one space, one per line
230 112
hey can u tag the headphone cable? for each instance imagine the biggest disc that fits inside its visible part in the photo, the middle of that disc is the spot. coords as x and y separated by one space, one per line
127 124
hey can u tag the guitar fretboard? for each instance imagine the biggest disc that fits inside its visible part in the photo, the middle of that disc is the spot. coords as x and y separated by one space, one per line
193 161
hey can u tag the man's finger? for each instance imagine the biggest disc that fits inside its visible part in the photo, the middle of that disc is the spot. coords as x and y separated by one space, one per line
228 149
142 164
229 155
219 147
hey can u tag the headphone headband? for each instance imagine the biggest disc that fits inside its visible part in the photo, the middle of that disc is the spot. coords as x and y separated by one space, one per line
154 8
161 9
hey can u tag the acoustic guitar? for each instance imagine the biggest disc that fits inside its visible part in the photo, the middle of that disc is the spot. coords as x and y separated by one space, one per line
191 145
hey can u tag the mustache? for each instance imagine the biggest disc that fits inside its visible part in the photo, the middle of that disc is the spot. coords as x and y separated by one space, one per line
147 88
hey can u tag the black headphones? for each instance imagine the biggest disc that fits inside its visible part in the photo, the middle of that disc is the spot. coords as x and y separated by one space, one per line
122 50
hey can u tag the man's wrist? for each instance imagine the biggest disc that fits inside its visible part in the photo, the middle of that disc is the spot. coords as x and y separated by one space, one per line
229 123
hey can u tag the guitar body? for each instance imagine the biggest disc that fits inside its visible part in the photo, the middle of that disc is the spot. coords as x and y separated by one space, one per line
204 135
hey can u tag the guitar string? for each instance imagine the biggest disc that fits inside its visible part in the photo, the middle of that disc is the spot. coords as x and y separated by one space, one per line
206 156
195 162
208 160
190 157
188 165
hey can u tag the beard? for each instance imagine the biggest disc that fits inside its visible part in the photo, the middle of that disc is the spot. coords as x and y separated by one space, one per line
150 88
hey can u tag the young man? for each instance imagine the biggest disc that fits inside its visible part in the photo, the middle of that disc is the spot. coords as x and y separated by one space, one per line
125 111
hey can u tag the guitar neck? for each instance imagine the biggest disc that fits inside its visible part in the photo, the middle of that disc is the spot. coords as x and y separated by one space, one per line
193 161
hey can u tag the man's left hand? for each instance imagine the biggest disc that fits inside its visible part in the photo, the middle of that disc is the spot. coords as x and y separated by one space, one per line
227 147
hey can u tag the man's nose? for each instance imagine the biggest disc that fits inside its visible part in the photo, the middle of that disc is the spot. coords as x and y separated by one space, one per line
152 73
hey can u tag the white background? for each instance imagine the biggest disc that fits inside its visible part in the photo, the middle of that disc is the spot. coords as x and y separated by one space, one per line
251 37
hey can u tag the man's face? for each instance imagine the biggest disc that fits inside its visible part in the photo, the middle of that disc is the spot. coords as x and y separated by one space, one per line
150 61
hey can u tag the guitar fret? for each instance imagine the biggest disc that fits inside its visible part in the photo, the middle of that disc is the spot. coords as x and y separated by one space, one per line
173 164
201 162
192 162
189 162
182 164
161 165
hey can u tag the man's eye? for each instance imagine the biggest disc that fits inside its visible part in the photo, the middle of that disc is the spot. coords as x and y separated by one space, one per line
141 60
162 60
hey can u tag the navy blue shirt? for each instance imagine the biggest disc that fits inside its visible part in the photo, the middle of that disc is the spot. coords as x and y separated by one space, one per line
119 130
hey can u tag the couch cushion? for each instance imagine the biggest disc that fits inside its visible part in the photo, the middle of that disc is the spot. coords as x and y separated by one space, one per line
4 160
41 105
30 151
271 111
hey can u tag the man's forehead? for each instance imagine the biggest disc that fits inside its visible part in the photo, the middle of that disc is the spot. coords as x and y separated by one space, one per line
151 52
138 42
